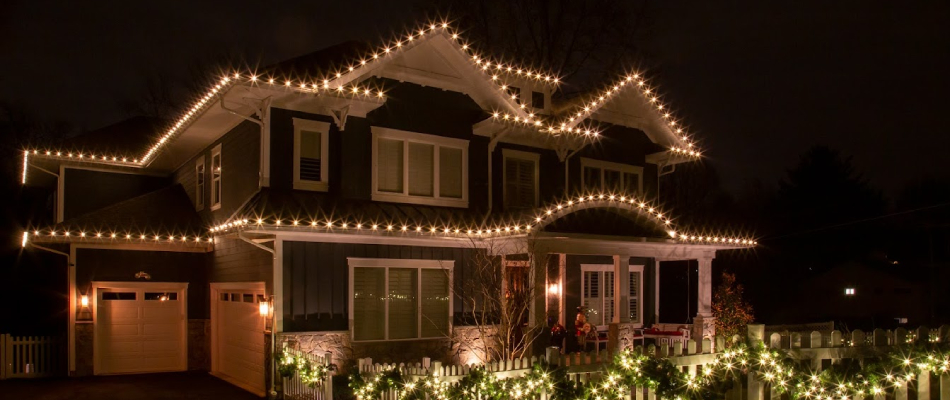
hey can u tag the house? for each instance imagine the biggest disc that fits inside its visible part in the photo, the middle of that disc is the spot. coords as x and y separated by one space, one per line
346 194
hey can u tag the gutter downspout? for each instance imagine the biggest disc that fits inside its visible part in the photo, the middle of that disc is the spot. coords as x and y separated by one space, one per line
273 325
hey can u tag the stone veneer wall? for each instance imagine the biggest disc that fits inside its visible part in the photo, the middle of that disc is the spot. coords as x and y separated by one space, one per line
464 347
199 346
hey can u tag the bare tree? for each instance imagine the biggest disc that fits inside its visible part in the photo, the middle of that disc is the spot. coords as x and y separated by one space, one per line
591 41
498 294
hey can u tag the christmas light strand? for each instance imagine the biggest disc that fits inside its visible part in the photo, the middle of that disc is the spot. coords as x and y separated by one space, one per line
112 235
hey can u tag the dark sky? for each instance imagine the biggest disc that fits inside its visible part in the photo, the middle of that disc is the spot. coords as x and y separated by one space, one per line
759 81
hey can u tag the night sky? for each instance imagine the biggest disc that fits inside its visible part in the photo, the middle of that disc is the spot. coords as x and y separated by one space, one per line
759 82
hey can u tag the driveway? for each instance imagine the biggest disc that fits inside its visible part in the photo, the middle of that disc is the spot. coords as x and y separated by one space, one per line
178 385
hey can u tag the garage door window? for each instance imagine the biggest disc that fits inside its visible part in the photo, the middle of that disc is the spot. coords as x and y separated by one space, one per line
118 295
159 296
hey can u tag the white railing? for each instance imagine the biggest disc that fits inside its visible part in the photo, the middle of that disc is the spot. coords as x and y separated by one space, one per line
817 348
31 356
296 389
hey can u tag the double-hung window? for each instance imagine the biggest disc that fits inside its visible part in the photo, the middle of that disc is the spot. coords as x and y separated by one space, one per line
520 179
411 167
200 183
605 176
311 139
216 177
597 293
400 299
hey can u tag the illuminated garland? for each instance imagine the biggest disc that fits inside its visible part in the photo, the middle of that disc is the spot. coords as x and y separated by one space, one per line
310 373
897 368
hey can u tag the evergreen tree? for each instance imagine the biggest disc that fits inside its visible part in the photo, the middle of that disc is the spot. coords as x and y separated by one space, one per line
732 312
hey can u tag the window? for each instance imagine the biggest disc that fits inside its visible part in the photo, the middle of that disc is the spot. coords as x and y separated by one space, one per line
400 299
515 93
161 296
520 179
311 148
416 168
537 100
598 176
118 295
200 183
216 177
849 291
597 293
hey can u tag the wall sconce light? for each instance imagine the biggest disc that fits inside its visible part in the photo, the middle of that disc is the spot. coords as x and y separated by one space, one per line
264 308
554 289
84 301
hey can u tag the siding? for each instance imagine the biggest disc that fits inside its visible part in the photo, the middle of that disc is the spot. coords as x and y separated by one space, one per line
316 279
85 191
237 261
240 171
122 265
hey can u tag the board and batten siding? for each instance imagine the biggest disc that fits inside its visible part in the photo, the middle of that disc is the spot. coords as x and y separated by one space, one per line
240 171
316 279
237 261
86 190
161 266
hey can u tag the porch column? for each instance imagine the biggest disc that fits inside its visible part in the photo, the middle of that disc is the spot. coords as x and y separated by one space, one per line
704 325
621 302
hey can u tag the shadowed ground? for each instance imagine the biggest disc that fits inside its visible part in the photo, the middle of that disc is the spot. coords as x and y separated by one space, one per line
179 385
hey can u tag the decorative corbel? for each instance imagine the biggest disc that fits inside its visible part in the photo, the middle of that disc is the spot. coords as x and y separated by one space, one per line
339 116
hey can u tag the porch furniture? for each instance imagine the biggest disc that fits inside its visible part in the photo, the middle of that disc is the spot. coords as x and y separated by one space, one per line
666 338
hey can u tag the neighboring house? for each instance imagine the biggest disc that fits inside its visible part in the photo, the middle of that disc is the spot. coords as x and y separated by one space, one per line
345 184
863 296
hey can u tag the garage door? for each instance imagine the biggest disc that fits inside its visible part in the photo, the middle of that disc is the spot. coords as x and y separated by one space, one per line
239 342
140 329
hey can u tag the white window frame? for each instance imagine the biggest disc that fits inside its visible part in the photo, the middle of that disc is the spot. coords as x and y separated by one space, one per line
201 183
414 137
324 129
216 152
618 167
610 268
521 155
447 265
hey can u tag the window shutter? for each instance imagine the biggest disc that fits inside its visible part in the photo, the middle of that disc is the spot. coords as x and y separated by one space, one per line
368 303
420 169
593 300
435 303
519 183
634 296
389 165
450 172
310 154
608 297
403 310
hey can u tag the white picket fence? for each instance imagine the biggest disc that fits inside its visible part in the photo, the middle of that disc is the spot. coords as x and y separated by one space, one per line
820 348
31 356
295 389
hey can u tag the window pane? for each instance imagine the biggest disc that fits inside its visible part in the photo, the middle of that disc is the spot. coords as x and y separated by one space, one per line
389 165
310 153
403 310
631 183
160 296
592 300
118 295
435 303
420 169
368 303
519 183
608 296
612 181
591 179
450 172
537 100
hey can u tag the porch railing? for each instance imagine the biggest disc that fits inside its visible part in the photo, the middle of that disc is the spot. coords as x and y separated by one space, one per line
31 356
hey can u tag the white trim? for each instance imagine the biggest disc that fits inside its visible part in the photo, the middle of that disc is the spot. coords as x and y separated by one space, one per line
610 268
387 263
521 155
216 152
200 188
612 166
323 128
71 276
278 285
216 289
60 195
656 301
265 150
437 142
180 287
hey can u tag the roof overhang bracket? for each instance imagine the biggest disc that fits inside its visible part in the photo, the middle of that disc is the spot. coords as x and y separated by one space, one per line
339 115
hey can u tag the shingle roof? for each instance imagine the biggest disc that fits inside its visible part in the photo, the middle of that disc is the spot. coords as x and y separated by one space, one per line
129 136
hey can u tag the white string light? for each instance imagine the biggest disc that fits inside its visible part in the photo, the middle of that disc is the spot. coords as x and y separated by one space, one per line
114 236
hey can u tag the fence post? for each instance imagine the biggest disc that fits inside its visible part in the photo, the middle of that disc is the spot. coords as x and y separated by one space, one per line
328 379
756 391
944 386
552 355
